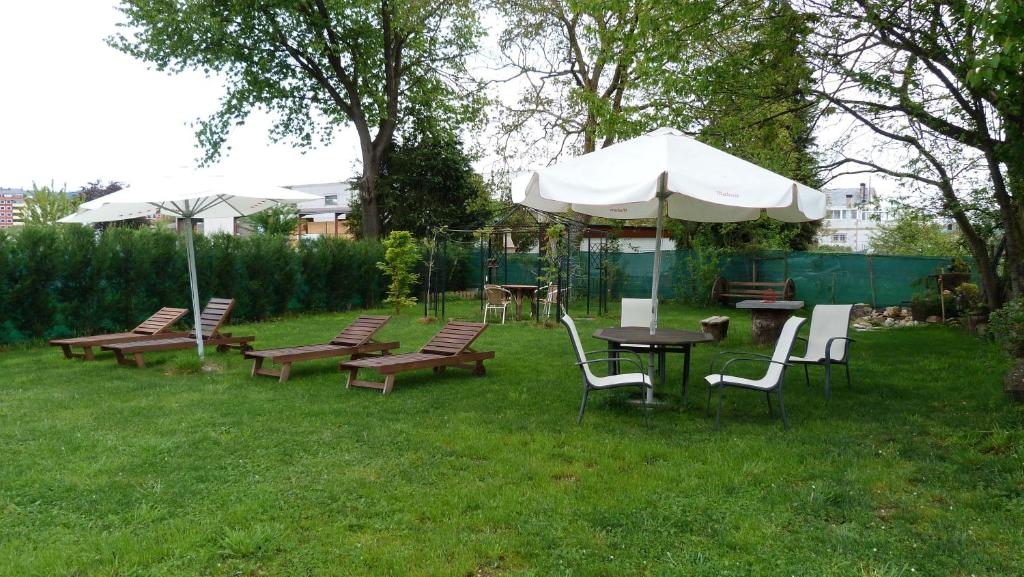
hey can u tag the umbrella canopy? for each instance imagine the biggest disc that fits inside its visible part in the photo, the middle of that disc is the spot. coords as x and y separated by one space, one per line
701 183
667 171
188 197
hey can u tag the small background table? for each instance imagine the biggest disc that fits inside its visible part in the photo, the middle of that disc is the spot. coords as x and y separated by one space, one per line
519 292
766 319
662 341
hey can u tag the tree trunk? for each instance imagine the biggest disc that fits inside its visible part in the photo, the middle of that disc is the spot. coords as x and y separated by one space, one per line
371 225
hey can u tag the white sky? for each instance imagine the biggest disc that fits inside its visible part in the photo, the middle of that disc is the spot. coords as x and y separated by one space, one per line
74 110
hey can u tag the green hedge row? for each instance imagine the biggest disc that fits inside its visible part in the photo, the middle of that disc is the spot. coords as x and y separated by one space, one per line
72 280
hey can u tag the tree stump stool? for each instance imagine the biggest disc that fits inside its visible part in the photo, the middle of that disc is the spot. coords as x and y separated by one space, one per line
717 327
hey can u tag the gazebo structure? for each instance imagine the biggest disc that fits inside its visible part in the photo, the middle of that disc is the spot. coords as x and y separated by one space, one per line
526 246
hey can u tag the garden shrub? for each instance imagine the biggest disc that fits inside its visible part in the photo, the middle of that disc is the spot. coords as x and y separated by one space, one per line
1007 326
70 280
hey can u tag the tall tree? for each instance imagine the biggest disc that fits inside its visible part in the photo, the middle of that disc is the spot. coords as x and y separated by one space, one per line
580 64
45 205
317 64
941 82
428 182
750 94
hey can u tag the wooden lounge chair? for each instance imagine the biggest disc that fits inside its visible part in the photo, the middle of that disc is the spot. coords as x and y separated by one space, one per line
356 340
155 327
449 348
213 316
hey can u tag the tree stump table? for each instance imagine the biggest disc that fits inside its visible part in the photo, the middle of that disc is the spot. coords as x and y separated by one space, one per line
767 318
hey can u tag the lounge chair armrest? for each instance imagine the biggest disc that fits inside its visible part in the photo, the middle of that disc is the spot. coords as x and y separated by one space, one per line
711 369
638 363
751 359
846 344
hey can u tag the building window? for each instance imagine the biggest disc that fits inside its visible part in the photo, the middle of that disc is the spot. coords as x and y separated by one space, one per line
839 237
331 199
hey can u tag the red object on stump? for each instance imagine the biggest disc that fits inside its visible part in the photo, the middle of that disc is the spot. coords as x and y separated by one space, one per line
769 296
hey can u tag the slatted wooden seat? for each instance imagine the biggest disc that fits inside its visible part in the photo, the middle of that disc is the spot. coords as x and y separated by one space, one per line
155 327
449 348
356 340
213 316
724 289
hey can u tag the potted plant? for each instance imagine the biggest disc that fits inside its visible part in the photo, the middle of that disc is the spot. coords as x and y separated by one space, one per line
970 306
924 305
1007 326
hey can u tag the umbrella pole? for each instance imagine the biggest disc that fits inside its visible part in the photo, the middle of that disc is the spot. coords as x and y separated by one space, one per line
657 276
191 250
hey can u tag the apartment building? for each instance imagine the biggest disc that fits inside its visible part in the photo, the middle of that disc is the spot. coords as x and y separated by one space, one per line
12 203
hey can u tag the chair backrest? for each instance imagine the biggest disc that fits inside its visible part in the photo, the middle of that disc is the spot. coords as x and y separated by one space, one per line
214 315
160 321
454 338
577 346
360 330
636 313
828 321
495 295
783 348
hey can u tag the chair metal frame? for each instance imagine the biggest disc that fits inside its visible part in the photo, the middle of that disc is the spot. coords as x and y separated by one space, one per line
743 356
827 361
583 362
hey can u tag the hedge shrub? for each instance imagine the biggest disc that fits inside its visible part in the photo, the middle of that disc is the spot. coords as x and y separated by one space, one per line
71 280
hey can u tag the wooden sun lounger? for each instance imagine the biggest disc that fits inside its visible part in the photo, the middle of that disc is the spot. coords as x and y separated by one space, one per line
155 327
356 340
449 348
213 316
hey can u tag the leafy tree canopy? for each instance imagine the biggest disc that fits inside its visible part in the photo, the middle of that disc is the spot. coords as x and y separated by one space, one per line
913 234
46 205
317 64
427 182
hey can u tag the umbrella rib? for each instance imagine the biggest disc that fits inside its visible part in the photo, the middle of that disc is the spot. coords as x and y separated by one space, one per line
227 202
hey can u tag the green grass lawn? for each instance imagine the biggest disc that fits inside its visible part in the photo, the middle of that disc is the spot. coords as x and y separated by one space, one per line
109 470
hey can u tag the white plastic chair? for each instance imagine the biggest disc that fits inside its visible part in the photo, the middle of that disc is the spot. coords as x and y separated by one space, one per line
548 301
594 382
770 383
495 299
827 343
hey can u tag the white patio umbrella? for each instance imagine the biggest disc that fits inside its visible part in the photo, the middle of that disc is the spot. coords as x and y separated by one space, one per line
187 197
666 170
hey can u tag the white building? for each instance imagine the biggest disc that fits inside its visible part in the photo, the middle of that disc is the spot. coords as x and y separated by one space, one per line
318 217
852 218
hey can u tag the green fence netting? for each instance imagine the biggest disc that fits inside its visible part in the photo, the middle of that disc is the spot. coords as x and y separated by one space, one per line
820 278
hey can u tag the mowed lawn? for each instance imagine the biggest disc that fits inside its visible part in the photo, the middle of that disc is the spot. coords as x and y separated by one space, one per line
109 470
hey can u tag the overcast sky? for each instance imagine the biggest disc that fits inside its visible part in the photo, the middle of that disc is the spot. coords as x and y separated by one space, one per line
74 110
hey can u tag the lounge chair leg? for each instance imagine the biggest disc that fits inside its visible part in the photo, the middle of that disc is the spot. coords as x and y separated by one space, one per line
121 360
256 366
389 383
849 384
707 408
828 380
768 397
479 370
782 409
139 362
352 374
286 371
718 415
807 375
87 353
583 405
67 351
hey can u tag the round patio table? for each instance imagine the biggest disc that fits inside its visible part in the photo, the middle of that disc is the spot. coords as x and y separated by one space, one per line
519 292
664 340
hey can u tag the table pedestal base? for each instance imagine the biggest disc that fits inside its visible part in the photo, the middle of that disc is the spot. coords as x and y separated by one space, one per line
767 325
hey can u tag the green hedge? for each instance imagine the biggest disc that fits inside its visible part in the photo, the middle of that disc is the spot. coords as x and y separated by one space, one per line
71 280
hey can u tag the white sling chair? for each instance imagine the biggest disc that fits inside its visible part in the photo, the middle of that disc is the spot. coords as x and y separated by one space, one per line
594 382
770 383
827 343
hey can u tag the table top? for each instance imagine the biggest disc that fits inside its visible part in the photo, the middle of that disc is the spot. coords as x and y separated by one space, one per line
643 336
519 286
777 305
